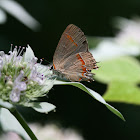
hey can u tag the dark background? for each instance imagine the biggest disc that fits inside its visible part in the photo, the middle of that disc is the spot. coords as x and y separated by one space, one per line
75 108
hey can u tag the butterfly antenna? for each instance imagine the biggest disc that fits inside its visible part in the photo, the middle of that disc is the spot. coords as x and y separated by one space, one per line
50 65
43 59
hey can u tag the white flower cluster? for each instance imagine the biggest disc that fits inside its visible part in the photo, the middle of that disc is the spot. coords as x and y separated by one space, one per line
129 34
21 78
47 132
126 42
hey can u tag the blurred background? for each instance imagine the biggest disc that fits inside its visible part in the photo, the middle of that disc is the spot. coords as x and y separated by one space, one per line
40 24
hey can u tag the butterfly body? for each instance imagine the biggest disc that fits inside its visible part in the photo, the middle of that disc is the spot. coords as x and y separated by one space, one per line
72 60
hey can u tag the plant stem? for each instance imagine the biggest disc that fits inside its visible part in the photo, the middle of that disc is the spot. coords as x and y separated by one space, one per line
23 124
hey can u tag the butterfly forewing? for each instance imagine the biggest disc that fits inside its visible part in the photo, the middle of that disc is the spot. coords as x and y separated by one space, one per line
71 42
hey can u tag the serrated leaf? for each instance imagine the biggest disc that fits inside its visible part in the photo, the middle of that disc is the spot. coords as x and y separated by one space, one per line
123 92
92 93
9 123
42 107
119 69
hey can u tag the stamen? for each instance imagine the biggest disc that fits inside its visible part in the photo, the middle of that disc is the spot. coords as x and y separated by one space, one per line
21 51
11 47
41 60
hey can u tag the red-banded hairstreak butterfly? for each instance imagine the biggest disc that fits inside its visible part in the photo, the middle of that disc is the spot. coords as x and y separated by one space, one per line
72 59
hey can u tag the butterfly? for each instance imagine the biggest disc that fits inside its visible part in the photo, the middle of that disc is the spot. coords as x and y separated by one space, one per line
72 59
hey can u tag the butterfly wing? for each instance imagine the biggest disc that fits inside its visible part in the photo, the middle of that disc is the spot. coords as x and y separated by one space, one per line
78 67
72 59
71 42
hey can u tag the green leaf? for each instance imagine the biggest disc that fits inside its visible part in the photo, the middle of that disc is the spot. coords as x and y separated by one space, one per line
123 92
93 94
3 16
42 107
9 123
119 69
29 54
11 7
6 105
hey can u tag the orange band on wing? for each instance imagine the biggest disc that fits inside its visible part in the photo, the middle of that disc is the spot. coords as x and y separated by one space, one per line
83 63
80 79
54 66
80 58
70 38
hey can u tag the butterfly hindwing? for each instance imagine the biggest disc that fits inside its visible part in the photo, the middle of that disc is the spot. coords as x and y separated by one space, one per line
80 65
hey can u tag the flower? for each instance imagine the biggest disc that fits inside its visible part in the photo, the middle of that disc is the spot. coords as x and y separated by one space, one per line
129 34
22 79
126 42
47 132
54 132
